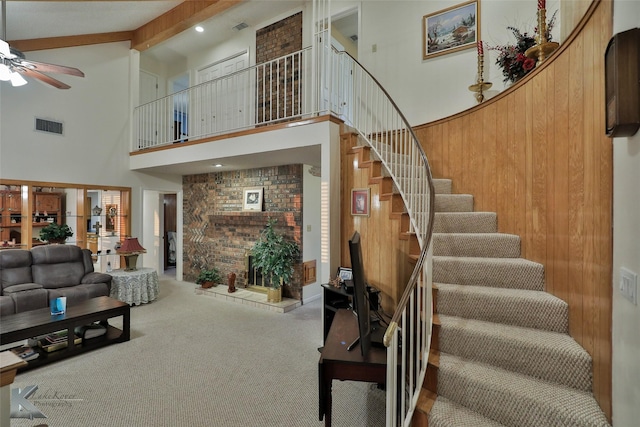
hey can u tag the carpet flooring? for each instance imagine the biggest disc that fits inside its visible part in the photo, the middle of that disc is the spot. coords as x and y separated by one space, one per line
198 361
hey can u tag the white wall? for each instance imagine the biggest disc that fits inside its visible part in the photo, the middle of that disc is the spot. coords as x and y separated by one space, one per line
626 253
311 223
427 90
95 146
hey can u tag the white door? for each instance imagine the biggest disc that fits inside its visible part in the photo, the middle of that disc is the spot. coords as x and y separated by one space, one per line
151 230
222 104
149 116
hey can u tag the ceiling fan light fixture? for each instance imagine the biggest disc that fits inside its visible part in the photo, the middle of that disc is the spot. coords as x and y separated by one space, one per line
4 48
5 73
17 80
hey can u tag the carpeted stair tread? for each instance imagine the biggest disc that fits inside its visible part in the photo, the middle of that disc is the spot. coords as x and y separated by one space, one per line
494 245
500 305
465 222
446 413
549 356
453 203
514 273
513 399
442 186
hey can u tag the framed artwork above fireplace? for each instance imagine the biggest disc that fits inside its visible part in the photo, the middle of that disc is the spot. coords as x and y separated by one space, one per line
252 199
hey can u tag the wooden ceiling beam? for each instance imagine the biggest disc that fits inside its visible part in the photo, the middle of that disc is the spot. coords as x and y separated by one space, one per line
69 41
178 19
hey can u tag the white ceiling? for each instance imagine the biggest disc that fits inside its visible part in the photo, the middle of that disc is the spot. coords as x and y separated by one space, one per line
46 19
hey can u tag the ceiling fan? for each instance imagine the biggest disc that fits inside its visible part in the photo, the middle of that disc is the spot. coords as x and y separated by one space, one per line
13 64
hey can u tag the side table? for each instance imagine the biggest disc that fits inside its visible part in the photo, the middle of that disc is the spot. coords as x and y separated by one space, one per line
134 287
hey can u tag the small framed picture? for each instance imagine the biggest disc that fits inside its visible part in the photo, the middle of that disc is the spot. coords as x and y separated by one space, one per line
112 212
252 199
360 202
344 274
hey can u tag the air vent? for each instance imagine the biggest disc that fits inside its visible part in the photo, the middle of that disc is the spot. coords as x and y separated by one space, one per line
49 126
240 26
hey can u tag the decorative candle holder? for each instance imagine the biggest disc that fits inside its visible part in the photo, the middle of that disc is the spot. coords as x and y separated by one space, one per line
544 48
480 86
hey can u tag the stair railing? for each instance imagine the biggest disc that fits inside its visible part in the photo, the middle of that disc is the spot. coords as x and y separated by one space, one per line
363 104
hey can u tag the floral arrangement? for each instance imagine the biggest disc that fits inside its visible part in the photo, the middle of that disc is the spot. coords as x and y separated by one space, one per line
515 65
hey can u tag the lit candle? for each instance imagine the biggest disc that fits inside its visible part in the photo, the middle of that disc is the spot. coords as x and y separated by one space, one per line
480 48
541 4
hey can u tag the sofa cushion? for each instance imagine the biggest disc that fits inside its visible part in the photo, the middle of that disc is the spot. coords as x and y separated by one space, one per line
15 267
79 293
21 287
6 306
31 299
57 266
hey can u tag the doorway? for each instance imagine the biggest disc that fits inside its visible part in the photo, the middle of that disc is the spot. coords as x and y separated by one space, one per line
178 86
231 107
170 232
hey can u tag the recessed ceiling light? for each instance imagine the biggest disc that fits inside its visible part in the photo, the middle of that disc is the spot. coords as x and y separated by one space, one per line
218 165
199 29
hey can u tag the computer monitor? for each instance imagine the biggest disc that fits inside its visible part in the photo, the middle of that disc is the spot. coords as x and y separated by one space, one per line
368 332
360 303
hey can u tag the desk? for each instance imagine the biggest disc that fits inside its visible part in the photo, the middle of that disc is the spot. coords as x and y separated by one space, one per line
338 363
134 287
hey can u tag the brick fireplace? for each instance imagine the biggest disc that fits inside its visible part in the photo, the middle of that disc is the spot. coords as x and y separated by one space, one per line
218 233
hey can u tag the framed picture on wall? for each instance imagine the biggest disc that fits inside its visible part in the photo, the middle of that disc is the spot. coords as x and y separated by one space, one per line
252 199
450 30
112 213
360 201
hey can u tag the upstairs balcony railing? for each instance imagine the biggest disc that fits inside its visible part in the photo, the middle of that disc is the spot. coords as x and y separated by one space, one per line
263 94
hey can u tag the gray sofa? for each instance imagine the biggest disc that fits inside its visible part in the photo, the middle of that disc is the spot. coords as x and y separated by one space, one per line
30 278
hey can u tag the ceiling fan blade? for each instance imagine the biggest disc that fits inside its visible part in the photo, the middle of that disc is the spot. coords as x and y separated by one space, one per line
51 68
44 78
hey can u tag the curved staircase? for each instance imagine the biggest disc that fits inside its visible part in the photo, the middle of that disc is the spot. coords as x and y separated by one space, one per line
501 354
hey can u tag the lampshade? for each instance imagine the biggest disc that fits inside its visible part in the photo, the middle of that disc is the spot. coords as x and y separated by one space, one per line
131 246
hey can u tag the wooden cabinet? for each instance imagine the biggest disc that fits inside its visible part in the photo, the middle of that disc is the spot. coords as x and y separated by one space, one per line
10 216
47 208
12 202
334 299
47 202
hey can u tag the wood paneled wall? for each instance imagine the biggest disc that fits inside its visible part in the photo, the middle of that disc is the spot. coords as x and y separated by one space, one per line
537 155
385 254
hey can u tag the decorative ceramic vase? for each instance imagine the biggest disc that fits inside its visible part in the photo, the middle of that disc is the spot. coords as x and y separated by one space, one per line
232 282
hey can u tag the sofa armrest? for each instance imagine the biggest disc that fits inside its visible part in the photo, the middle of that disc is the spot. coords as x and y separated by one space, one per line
96 277
20 288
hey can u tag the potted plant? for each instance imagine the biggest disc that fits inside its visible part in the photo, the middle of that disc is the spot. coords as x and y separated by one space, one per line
276 257
209 277
54 233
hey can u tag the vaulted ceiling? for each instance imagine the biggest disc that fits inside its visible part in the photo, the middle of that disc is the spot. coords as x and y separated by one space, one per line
159 27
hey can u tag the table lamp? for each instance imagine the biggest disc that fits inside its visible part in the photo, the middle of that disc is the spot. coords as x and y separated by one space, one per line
130 249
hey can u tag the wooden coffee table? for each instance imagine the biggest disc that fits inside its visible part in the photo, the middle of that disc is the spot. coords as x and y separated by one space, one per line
30 324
